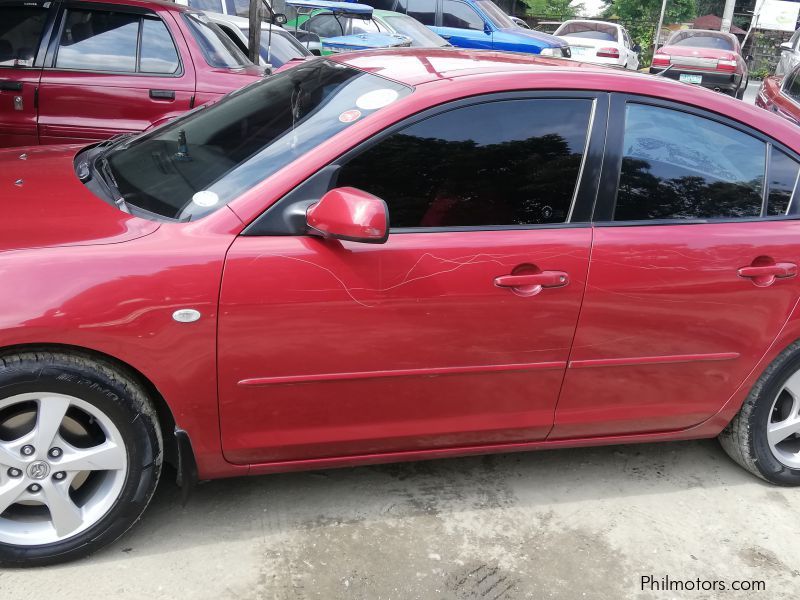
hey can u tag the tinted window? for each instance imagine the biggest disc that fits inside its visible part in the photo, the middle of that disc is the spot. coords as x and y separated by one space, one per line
98 41
419 34
226 149
158 54
364 26
703 41
783 173
217 48
382 4
461 16
212 5
281 49
792 88
497 16
423 11
325 26
680 166
20 30
513 162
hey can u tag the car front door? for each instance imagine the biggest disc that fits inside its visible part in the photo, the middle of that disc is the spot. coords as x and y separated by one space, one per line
693 270
22 25
111 70
463 26
440 337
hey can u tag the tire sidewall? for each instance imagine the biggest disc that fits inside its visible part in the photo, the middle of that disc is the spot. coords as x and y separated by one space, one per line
137 428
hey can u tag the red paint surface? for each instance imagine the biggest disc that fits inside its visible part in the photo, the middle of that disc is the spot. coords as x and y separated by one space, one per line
316 353
770 98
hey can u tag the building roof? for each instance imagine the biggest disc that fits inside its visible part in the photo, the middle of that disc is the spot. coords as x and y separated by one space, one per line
714 23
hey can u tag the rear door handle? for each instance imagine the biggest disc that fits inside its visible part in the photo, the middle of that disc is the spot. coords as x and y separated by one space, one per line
11 86
764 275
162 94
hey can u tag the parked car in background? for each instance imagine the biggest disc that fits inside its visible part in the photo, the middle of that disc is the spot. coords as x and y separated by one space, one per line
85 71
278 46
328 25
411 271
711 59
476 24
790 55
600 42
781 95
341 26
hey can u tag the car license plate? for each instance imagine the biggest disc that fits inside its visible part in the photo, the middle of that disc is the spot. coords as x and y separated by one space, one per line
579 51
695 79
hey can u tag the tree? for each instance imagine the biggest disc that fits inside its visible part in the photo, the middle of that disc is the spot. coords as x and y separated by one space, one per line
556 9
640 17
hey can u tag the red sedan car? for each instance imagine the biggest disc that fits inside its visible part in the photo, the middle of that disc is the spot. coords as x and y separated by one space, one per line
711 59
781 95
84 71
390 256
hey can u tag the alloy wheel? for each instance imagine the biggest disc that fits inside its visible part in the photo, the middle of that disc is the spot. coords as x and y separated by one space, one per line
783 429
63 465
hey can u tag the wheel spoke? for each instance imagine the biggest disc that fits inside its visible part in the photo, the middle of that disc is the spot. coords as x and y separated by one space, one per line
105 457
50 415
792 386
777 432
10 458
64 513
10 492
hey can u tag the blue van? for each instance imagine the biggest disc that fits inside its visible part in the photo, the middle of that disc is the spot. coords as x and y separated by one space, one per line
476 24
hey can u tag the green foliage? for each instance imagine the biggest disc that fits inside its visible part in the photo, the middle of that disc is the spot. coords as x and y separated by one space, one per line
556 9
640 17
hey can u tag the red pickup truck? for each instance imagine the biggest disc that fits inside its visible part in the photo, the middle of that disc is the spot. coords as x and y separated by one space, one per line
82 71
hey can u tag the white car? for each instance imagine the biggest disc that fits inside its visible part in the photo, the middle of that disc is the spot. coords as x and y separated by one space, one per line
278 46
600 42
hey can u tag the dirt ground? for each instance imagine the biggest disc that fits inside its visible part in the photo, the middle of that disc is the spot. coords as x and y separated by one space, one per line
571 524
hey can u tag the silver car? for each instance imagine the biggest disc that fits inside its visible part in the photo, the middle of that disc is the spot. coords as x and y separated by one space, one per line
790 54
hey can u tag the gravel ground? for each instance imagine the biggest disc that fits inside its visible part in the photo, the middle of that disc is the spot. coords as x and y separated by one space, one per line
583 523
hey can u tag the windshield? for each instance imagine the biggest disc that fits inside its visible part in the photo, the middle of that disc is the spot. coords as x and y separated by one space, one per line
589 30
282 48
217 48
702 41
200 162
419 34
500 19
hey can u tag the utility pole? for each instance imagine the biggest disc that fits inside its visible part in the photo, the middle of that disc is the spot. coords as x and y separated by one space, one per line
660 24
727 16
254 32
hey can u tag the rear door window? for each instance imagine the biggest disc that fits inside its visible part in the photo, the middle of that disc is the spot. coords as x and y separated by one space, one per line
678 165
20 33
99 41
158 53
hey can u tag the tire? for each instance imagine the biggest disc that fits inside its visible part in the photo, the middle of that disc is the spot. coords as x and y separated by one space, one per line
770 405
97 475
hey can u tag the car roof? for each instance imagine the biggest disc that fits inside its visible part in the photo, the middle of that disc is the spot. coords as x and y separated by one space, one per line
416 66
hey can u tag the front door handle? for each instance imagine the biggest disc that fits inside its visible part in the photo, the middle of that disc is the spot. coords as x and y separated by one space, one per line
530 284
764 275
162 94
11 86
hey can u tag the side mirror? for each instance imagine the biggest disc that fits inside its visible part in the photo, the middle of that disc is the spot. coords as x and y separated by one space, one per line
280 19
486 29
347 213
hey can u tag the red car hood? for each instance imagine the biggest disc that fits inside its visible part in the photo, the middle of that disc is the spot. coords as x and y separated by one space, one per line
698 52
45 204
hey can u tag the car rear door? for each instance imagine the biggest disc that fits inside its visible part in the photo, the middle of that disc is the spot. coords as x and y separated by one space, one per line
112 69
440 337
22 28
693 270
